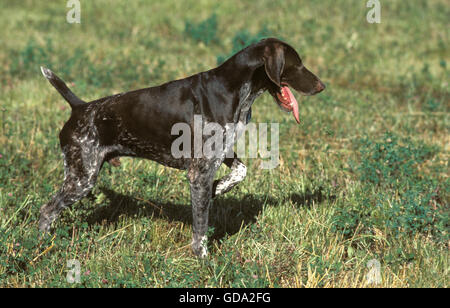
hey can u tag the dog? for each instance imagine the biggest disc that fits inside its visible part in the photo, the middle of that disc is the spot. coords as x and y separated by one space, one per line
138 124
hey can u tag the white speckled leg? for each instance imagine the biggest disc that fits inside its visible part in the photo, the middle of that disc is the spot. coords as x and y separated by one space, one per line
201 176
237 175
200 246
81 168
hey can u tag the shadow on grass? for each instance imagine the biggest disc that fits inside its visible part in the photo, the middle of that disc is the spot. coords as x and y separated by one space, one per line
308 198
227 215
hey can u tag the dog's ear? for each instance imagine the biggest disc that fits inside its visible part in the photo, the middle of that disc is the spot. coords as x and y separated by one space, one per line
274 62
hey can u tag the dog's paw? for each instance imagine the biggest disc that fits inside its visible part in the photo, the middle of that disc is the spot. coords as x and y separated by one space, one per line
44 225
200 248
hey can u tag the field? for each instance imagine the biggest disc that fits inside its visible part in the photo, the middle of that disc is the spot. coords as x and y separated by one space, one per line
362 186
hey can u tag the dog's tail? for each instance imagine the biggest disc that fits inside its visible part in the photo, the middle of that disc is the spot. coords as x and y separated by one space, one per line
62 88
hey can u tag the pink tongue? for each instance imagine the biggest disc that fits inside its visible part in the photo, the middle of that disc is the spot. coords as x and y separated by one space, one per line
293 102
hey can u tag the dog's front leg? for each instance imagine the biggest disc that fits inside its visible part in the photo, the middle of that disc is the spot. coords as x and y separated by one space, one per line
237 175
201 176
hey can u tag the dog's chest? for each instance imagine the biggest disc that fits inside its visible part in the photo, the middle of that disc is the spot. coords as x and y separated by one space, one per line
243 116
246 99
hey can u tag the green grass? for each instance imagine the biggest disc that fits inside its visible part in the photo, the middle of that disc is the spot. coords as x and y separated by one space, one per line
365 176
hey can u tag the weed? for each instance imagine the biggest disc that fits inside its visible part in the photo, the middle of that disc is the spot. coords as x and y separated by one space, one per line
395 196
242 39
204 31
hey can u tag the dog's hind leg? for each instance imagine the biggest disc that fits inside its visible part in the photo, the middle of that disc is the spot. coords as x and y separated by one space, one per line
237 175
81 168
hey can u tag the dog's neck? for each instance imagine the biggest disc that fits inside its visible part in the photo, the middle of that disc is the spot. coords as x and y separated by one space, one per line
250 91
248 71
243 64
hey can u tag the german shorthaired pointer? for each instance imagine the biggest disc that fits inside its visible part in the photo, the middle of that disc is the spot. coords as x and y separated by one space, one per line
138 124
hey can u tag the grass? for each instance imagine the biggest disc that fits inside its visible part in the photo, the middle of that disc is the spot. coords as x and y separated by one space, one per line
365 176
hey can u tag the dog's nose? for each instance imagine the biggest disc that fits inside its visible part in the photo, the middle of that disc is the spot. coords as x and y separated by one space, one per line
320 86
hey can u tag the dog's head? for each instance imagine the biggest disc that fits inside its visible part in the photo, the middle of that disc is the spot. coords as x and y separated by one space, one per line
285 70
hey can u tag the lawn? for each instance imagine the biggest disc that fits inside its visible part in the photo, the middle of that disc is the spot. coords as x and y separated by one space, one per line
362 185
